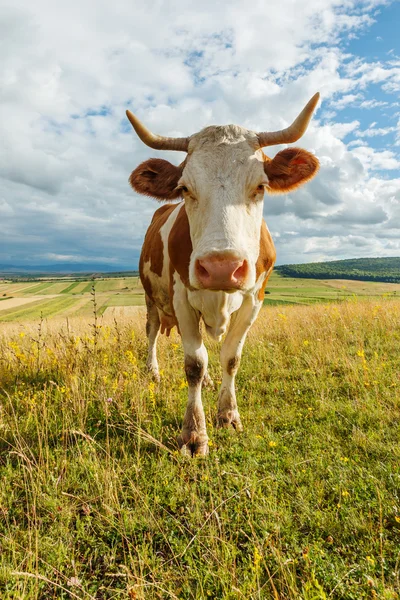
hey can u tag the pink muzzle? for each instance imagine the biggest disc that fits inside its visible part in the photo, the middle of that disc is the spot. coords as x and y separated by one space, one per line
221 272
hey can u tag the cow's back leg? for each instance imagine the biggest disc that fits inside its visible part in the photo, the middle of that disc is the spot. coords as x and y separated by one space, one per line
231 353
152 331
207 381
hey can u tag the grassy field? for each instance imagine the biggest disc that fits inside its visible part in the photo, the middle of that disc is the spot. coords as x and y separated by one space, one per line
24 301
66 298
289 290
96 502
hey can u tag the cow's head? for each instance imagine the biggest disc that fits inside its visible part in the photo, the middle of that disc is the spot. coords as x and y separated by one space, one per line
222 182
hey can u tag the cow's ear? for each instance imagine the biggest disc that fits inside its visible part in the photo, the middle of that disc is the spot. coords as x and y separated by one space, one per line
157 178
290 169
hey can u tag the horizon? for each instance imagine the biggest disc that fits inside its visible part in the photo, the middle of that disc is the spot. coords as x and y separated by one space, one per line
87 269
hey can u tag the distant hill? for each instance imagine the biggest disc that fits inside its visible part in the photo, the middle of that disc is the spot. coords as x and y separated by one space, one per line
363 269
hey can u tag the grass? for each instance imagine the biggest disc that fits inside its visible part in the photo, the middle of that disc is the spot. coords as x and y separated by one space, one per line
97 502
34 310
126 300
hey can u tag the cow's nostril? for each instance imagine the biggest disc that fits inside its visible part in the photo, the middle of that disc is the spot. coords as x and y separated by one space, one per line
241 272
202 272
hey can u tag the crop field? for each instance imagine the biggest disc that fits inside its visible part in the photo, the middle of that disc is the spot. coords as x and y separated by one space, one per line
97 503
24 301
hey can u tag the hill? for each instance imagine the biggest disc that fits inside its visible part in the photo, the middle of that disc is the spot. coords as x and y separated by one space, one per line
362 269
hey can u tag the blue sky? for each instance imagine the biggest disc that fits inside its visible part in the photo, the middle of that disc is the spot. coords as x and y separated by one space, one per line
69 71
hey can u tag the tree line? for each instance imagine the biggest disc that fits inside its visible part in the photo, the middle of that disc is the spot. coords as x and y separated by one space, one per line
363 269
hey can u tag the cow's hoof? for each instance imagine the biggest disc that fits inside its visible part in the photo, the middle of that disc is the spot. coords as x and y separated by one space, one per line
193 444
207 382
227 418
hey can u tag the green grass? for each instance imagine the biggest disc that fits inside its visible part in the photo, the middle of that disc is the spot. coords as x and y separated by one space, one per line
96 500
38 288
72 287
86 287
122 299
34 310
108 285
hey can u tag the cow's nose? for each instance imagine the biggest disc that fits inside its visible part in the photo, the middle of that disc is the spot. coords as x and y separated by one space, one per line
221 273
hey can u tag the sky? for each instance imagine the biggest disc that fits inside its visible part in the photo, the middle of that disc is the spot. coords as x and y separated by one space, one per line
69 70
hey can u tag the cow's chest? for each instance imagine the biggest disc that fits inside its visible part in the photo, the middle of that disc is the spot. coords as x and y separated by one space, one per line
216 309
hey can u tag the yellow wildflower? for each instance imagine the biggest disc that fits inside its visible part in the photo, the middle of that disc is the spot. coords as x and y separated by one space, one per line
256 559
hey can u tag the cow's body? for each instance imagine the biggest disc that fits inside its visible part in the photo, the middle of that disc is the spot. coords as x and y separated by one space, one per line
166 256
209 257
164 267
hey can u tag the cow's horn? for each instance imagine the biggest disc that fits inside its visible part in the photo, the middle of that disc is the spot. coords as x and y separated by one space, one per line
158 142
294 131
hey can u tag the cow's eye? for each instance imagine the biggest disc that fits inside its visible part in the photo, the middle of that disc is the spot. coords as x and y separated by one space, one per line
260 188
184 189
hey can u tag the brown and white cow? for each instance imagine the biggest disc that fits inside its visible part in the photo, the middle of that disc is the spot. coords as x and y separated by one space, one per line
209 256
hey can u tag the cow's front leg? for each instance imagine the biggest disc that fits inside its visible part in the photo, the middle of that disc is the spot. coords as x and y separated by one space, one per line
231 352
193 439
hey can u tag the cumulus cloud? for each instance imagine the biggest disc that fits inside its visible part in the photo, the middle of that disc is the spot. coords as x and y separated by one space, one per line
69 71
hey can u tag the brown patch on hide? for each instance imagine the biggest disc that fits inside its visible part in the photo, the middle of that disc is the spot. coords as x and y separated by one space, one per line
290 169
153 247
194 369
180 246
233 365
157 178
266 258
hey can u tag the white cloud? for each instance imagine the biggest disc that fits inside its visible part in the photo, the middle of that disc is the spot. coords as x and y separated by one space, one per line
376 159
345 100
375 131
372 104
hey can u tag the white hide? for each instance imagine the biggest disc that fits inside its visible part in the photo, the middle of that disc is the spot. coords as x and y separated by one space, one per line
232 347
160 285
224 206
216 309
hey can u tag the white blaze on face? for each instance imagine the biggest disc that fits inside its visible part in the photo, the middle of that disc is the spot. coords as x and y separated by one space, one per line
224 176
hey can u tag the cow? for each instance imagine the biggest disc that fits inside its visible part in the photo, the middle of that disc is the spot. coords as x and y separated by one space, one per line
207 258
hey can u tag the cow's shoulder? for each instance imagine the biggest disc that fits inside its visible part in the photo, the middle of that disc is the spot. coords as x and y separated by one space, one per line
153 248
180 246
266 258
152 256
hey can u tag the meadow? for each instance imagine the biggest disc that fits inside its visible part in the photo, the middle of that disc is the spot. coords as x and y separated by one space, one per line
96 502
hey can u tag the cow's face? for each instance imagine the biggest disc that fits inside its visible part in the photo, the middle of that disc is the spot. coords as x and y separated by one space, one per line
222 182
222 185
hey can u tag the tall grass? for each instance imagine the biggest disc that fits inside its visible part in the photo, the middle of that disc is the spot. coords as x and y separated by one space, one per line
97 502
